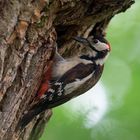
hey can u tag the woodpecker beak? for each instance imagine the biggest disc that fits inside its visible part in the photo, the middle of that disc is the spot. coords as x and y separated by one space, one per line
85 41
81 40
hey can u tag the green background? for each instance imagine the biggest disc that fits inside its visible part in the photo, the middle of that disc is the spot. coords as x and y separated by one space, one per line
111 110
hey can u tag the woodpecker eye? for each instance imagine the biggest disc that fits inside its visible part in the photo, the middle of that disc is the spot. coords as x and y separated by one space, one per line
95 41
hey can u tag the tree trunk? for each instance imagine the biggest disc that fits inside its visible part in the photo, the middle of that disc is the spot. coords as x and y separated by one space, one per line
29 30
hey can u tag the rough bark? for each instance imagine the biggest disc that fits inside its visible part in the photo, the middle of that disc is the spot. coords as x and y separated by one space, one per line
29 30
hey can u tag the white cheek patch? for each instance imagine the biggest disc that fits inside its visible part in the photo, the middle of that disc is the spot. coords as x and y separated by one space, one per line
100 46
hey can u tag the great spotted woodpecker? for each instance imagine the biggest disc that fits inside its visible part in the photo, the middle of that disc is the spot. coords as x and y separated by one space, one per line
72 74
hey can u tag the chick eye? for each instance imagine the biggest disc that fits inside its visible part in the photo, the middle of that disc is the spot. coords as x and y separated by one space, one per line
95 41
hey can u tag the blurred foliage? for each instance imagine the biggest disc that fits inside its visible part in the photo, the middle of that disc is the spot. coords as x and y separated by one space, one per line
122 83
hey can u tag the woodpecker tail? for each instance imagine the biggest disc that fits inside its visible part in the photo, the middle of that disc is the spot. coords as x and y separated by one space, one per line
29 116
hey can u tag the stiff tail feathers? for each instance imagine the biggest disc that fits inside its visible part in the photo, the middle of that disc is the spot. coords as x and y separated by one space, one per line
29 116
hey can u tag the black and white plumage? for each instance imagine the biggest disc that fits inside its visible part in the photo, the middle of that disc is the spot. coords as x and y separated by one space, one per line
71 75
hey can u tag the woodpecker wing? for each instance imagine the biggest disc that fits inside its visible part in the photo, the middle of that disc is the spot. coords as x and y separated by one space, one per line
80 71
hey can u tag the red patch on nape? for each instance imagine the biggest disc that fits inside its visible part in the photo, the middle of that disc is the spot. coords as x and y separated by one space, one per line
109 46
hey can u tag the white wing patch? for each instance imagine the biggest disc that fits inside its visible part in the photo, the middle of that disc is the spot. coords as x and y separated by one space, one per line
63 66
74 85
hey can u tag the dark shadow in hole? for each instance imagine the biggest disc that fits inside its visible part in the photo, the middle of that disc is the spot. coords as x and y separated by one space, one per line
65 33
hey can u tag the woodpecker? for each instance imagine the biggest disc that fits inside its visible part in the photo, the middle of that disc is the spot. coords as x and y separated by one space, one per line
70 75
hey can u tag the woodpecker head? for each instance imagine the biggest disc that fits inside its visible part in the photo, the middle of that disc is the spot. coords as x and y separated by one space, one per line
98 47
